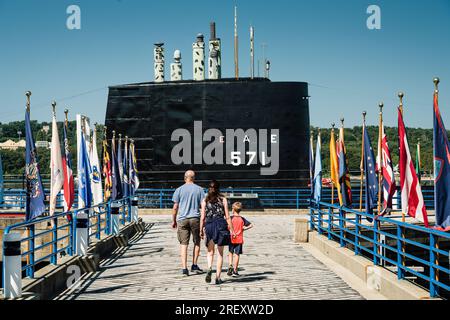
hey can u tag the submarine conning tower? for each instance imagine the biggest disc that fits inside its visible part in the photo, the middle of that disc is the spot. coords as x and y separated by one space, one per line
245 132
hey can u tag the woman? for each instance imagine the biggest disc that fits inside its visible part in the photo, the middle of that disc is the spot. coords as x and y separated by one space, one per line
215 222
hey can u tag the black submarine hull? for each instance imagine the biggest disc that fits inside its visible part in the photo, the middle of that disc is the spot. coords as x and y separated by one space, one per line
150 113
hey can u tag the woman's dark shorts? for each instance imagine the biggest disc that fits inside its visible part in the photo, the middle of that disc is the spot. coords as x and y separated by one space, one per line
217 231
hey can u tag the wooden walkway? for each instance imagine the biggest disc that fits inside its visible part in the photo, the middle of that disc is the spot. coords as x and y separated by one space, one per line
272 267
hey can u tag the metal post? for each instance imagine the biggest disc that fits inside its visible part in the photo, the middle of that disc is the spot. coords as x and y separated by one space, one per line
341 228
108 218
115 218
330 214
54 257
82 233
357 223
129 217
297 199
433 286
12 266
319 219
400 265
311 216
99 223
134 209
375 240
124 207
31 242
160 199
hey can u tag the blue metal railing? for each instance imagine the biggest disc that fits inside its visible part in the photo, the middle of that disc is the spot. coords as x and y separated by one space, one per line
289 198
411 251
50 237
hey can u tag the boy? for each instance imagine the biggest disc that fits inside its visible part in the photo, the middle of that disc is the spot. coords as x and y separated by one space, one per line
240 224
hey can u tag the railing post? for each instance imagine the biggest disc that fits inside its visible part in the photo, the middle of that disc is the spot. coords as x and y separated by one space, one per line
400 273
357 223
108 218
375 241
115 218
311 215
330 221
54 257
129 210
98 234
341 227
12 266
123 205
433 287
319 219
31 245
160 199
82 232
297 199
134 209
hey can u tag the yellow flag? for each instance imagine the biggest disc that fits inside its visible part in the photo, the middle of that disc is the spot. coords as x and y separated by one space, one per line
334 167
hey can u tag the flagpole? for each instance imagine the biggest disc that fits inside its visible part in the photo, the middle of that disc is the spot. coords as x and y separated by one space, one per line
27 208
401 95
332 183
436 262
361 166
380 164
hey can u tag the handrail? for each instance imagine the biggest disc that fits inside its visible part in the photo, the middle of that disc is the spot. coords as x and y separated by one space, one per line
388 246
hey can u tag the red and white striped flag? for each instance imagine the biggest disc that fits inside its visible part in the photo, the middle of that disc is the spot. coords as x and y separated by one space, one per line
56 168
69 189
412 198
388 173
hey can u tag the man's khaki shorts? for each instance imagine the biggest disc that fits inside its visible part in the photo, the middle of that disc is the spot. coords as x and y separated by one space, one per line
185 228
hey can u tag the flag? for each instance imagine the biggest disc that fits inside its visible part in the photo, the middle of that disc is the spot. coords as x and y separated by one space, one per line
1 180
344 176
388 182
56 167
318 172
125 181
35 192
334 166
84 167
412 198
441 170
116 192
120 161
69 189
96 181
106 171
418 163
134 180
371 181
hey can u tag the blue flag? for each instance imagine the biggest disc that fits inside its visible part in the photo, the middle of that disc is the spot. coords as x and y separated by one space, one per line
125 181
35 191
311 163
84 181
371 183
116 191
318 172
1 180
441 170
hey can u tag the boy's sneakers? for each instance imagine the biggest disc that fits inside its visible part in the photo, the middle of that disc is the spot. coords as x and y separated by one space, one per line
219 281
195 268
230 271
236 273
208 276
185 272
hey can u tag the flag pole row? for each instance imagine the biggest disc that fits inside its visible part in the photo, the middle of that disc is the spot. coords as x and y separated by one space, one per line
377 174
119 171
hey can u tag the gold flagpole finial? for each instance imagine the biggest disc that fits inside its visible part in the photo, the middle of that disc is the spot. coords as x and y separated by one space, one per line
364 116
342 122
332 126
114 134
436 84
28 95
54 108
381 105
401 95
66 112
120 137
126 138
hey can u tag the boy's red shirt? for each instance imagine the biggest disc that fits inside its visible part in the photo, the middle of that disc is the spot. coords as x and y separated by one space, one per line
238 223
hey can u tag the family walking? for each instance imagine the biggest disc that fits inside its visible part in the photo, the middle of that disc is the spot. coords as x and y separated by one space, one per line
207 217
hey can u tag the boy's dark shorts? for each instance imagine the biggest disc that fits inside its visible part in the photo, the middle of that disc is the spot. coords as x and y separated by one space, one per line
236 248
186 228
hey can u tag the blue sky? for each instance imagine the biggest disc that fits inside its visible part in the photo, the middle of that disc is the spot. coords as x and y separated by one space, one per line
323 42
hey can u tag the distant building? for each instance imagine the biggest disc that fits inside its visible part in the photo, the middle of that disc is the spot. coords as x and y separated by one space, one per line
43 144
11 145
46 129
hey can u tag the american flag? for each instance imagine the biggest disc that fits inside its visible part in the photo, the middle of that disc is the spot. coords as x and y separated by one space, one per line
388 174
412 198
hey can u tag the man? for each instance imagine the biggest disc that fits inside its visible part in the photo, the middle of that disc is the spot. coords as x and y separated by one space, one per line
187 201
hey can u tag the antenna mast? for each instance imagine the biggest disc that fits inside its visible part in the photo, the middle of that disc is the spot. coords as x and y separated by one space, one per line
236 59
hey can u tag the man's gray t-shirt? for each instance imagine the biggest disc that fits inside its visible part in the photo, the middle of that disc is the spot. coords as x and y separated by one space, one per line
189 197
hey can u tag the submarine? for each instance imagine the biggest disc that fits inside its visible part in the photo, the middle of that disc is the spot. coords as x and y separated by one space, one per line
245 132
